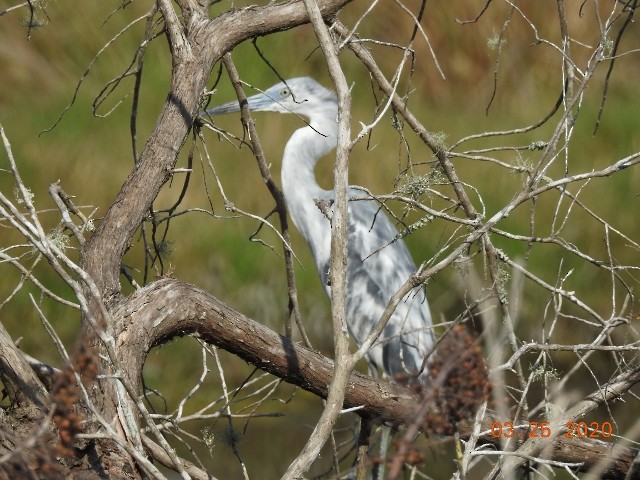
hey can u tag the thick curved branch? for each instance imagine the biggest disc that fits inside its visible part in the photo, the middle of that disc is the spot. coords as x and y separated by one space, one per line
196 44
200 44
169 308
20 381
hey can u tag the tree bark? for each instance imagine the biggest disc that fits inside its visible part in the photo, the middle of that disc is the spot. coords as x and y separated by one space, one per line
196 46
196 43
169 308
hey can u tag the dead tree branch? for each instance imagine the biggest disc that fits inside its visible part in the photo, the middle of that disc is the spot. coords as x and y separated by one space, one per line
169 308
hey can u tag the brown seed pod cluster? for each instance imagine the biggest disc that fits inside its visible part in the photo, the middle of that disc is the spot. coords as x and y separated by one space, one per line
38 456
458 382
31 458
65 397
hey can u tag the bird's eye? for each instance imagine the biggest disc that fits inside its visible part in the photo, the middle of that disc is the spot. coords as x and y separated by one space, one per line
284 92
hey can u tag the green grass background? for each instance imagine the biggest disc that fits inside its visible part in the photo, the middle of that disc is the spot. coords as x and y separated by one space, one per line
91 156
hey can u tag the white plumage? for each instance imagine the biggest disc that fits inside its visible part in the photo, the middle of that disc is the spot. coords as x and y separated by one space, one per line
376 266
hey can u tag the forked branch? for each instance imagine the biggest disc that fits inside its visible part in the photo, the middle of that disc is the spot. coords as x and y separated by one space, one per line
169 308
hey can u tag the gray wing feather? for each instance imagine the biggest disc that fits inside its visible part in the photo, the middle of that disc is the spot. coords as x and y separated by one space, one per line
377 266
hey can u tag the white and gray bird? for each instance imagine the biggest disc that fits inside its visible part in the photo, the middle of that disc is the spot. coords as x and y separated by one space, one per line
376 265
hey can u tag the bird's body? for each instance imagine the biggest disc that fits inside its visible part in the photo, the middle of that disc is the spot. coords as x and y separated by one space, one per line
377 266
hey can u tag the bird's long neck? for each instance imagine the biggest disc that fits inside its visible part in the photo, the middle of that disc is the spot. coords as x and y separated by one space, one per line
302 152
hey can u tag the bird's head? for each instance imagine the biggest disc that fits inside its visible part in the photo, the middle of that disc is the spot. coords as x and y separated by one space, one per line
302 96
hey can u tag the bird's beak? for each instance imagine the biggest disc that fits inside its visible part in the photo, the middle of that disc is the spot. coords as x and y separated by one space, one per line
256 103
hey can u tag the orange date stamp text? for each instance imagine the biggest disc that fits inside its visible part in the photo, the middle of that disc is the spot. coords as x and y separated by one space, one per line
543 429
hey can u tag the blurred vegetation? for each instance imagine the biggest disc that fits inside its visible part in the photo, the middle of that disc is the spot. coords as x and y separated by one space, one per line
91 155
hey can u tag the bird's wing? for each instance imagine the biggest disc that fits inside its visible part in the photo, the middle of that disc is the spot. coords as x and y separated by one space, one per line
379 263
